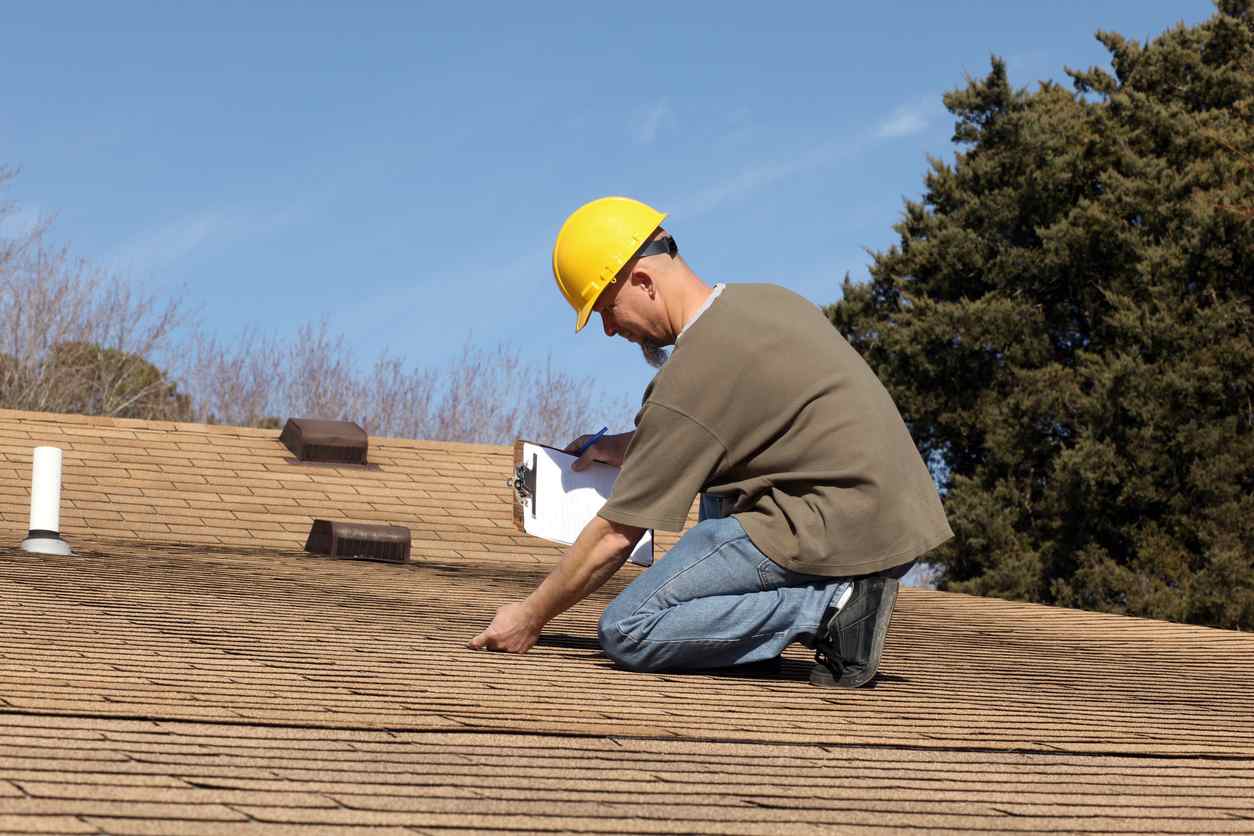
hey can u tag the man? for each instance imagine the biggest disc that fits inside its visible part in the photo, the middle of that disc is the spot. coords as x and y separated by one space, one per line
814 497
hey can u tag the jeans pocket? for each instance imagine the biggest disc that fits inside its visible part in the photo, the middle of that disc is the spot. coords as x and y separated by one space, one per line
771 575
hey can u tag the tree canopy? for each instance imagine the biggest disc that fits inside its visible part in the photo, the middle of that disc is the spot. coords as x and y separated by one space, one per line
1066 325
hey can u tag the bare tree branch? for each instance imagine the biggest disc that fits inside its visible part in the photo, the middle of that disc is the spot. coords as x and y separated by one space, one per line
73 339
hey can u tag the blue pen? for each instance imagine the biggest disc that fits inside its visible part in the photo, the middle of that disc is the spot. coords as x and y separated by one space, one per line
592 441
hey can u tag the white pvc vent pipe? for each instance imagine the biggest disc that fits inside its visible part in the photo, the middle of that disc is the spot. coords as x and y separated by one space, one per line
45 504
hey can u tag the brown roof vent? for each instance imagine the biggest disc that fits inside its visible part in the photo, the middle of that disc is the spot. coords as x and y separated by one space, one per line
314 440
366 541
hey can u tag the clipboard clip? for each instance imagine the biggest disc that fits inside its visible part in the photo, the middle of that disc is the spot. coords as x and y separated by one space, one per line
524 483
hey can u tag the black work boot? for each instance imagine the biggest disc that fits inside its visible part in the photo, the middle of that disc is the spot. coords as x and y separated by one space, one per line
848 643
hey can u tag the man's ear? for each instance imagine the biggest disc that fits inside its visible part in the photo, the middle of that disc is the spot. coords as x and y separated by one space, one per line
641 278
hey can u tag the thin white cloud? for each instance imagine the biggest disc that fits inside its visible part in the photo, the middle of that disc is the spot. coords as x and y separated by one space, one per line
765 173
408 298
647 121
905 120
165 244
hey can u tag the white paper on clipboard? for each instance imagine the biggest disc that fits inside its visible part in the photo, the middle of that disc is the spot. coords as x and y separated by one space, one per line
564 501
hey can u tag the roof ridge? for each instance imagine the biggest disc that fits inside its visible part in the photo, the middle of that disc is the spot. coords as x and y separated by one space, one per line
108 422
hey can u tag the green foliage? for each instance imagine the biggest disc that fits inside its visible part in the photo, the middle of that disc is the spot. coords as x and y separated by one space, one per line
95 380
89 379
1067 325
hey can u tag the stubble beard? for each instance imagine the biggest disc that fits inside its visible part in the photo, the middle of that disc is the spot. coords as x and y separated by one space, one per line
655 355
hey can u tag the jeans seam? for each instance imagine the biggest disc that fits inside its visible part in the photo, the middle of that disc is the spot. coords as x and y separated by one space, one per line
676 576
763 581
710 641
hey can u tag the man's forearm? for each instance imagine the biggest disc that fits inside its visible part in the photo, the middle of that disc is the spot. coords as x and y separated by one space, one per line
601 548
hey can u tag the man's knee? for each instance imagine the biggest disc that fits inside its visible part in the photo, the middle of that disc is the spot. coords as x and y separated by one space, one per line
612 642
620 644
616 644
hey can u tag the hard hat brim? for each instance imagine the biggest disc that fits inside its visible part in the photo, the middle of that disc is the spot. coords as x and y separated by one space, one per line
581 319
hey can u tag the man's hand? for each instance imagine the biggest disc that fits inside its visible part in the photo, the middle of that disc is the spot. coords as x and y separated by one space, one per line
609 450
514 630
597 553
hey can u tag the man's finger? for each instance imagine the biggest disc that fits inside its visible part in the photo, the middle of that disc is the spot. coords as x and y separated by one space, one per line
583 461
479 642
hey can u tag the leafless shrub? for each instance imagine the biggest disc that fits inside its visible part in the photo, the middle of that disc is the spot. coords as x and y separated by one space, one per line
561 406
492 396
73 339
481 395
233 385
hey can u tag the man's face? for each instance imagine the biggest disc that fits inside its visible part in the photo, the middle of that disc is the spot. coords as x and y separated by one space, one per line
623 307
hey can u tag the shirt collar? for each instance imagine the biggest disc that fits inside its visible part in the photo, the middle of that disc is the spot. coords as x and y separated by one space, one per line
714 294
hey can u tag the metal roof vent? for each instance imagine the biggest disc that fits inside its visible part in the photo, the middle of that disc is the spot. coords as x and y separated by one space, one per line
314 440
366 541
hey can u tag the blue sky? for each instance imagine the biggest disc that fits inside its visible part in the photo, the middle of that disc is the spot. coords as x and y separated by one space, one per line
401 168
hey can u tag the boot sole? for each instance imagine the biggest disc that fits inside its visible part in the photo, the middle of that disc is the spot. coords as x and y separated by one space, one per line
822 677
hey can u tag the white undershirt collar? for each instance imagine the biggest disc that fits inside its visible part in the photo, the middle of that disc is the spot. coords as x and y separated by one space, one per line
705 306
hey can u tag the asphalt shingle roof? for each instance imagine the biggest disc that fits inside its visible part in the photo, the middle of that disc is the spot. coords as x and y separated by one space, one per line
191 670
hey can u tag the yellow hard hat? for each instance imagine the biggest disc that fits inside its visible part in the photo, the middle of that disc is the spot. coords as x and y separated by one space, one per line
594 244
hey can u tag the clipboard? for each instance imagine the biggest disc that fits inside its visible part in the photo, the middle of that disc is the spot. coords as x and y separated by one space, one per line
553 502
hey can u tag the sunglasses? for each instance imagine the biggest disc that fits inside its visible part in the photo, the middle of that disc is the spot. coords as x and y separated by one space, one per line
662 245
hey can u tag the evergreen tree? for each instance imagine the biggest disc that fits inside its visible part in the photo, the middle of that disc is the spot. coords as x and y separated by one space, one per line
1067 327
90 379
87 379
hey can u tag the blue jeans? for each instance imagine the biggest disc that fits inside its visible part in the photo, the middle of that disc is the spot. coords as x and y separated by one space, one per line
713 601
